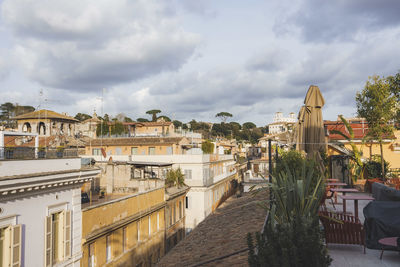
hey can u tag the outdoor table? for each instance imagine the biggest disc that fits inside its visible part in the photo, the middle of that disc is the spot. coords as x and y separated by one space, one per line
356 198
336 184
388 241
343 191
332 180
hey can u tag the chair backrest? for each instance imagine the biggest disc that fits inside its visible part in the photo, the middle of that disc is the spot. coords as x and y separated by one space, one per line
342 228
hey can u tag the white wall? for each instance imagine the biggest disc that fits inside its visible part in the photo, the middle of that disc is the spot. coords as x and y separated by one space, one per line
21 167
31 213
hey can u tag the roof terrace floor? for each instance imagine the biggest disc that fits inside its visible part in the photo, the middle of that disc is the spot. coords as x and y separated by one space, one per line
224 232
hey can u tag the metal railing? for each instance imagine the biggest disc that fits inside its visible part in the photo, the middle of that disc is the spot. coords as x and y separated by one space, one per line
18 153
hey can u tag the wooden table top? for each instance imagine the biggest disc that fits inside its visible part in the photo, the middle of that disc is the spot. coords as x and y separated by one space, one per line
357 197
344 190
335 184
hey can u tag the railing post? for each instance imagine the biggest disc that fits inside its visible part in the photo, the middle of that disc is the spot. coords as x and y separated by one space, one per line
1 145
37 146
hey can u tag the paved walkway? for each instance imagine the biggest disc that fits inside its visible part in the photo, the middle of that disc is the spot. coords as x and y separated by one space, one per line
221 233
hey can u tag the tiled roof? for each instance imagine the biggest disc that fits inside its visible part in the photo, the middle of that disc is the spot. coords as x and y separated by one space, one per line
149 123
44 113
136 141
222 233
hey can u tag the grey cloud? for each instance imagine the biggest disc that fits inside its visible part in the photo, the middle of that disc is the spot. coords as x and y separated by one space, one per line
272 60
82 47
327 21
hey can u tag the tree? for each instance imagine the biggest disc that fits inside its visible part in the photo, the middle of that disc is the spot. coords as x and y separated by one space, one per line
394 84
177 123
142 120
7 111
224 116
377 105
164 117
249 125
127 119
153 113
82 116
175 178
19 110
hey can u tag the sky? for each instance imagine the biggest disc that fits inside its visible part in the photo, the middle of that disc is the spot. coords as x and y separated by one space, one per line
194 58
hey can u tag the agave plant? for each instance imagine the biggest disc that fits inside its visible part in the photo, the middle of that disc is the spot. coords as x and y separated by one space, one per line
296 194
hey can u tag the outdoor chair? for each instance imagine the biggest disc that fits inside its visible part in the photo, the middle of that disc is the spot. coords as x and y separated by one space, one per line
328 195
341 228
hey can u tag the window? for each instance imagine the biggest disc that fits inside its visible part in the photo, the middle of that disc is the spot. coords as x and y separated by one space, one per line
91 255
108 248
174 211
180 209
124 239
169 150
149 225
58 237
158 221
134 151
138 230
152 150
118 151
96 151
10 246
188 174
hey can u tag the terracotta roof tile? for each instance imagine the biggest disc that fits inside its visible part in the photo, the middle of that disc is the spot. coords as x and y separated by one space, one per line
44 113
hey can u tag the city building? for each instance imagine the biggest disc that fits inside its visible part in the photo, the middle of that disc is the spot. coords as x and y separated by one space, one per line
390 146
137 220
88 127
281 124
40 206
209 176
46 123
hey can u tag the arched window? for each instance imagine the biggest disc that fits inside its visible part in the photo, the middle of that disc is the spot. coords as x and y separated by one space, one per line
27 127
42 128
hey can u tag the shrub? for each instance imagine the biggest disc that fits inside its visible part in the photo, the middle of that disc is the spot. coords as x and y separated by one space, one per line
175 178
374 166
207 147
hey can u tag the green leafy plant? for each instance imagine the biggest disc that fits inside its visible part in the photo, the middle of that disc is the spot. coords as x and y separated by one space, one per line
207 147
356 166
292 236
175 178
374 167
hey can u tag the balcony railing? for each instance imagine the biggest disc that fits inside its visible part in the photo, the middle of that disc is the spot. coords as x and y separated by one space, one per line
17 153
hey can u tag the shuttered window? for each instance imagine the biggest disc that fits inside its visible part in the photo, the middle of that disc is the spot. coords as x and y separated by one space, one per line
10 246
16 246
58 237
48 242
67 231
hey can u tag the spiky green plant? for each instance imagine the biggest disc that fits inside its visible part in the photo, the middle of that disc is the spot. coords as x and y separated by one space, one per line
356 167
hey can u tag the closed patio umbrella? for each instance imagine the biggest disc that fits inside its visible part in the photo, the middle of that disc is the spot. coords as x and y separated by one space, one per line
310 131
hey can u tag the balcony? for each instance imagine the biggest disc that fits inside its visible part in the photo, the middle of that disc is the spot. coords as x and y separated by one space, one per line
26 153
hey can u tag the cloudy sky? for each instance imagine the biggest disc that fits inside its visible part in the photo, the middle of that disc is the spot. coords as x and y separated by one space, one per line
194 58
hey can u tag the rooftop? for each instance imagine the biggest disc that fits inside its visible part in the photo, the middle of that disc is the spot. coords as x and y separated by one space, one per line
136 140
44 113
222 233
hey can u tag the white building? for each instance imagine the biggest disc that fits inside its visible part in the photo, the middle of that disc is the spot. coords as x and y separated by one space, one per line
209 177
40 210
281 124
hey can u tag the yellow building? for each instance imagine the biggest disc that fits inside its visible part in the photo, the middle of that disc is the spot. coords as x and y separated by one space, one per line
138 146
127 231
46 123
